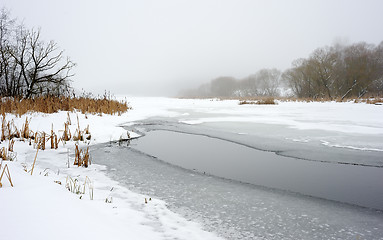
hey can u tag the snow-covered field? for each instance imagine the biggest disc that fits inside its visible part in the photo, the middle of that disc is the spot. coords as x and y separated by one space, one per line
37 207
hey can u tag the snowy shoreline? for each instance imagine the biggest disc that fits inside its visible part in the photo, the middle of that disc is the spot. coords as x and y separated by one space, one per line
37 207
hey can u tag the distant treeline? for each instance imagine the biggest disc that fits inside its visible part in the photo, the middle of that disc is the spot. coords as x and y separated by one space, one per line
337 71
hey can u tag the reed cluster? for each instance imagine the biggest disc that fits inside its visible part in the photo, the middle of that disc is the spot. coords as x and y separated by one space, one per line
74 186
6 154
10 132
81 157
52 104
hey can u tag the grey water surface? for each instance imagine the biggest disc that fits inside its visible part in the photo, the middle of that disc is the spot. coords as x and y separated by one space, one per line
252 187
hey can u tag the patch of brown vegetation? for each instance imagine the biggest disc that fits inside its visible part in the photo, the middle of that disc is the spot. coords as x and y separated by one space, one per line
81 157
376 101
9 132
244 102
262 101
51 104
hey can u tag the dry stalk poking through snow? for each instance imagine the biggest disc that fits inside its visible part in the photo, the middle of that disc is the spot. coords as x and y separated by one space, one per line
7 174
74 186
25 133
81 157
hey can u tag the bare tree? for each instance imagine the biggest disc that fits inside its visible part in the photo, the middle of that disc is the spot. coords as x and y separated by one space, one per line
29 66
268 82
299 79
42 64
223 86
321 65
7 65
265 82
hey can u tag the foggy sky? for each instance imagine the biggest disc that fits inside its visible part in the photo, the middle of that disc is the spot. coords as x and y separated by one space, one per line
159 47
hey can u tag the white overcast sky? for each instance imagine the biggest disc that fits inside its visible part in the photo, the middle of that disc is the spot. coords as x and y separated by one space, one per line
158 47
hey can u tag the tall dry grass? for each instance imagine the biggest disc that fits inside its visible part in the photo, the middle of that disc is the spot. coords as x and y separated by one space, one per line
51 104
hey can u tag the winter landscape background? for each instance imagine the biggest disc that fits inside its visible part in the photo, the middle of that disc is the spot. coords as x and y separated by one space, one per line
171 119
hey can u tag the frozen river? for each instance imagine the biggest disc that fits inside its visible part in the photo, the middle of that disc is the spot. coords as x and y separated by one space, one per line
251 180
207 179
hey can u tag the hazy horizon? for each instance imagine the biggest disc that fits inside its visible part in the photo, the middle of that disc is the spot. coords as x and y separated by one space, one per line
160 47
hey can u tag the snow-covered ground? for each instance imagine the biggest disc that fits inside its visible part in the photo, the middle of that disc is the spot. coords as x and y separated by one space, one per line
37 207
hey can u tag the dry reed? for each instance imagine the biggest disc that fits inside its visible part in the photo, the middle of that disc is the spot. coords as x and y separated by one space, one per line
42 141
82 157
34 162
7 174
8 129
88 183
68 119
10 146
4 153
7 155
25 133
3 126
74 186
52 138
